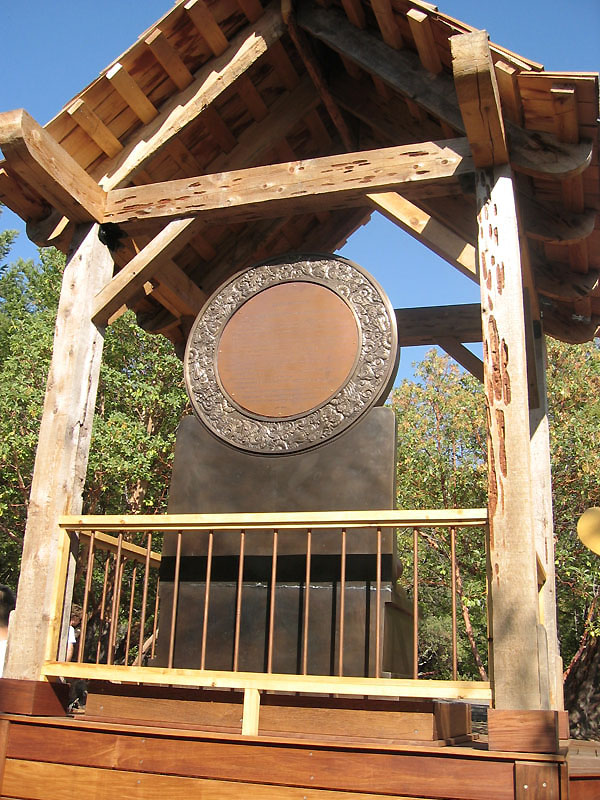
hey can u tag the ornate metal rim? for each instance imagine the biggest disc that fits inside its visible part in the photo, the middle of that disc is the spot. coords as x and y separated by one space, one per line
368 383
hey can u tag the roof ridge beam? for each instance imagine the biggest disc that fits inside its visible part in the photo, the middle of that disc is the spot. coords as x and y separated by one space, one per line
34 155
210 81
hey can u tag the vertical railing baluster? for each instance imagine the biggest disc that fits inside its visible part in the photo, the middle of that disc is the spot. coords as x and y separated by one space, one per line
378 608
102 608
238 604
86 596
454 633
272 604
206 599
415 603
130 617
112 635
155 620
175 600
342 603
306 603
144 599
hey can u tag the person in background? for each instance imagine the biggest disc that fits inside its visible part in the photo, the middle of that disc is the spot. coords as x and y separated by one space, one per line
7 604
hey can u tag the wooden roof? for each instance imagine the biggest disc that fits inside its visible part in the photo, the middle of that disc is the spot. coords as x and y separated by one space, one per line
230 84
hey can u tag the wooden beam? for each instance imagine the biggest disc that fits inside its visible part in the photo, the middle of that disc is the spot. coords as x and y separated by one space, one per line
61 460
169 59
128 89
17 195
176 291
463 356
385 518
420 27
425 229
400 69
291 188
36 157
183 108
479 98
533 152
516 663
207 26
430 324
141 268
560 283
313 684
556 225
388 25
91 123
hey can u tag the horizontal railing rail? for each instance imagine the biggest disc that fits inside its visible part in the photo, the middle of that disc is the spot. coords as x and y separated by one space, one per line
119 627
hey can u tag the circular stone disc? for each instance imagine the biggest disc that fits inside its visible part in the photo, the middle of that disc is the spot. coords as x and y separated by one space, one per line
286 355
287 350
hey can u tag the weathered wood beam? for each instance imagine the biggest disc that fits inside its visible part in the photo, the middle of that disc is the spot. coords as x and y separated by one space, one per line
430 324
518 666
287 189
313 68
141 268
60 462
532 152
17 195
565 325
36 157
176 291
427 230
479 98
209 82
556 225
463 356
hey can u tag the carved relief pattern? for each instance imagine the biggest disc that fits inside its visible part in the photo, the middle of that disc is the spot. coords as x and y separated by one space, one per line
369 378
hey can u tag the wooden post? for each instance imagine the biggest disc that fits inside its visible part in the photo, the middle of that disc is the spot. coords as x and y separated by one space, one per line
542 521
513 584
61 458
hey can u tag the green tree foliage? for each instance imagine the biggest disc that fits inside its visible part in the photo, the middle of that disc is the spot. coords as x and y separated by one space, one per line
140 401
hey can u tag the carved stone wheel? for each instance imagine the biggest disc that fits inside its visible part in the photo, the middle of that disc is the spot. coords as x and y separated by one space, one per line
288 354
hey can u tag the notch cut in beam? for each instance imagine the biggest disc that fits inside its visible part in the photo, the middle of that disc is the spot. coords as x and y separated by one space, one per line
36 157
284 189
479 98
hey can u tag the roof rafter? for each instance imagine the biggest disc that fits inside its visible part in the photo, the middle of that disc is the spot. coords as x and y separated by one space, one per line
532 152
183 108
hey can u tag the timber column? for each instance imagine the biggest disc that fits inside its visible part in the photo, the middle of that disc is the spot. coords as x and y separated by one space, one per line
61 458
519 643
516 666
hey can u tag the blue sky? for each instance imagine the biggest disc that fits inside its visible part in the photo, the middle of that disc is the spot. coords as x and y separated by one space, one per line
51 50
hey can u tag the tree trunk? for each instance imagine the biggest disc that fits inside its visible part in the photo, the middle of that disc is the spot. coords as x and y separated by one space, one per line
582 692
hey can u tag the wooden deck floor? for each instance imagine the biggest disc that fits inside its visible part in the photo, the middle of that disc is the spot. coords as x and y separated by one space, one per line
66 758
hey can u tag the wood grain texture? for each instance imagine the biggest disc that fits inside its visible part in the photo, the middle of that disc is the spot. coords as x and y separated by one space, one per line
353 769
523 731
90 122
279 189
374 687
424 228
531 152
537 781
39 698
479 98
426 326
43 781
36 157
183 108
513 581
61 458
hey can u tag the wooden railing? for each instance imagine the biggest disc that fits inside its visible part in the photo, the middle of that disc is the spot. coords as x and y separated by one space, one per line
117 582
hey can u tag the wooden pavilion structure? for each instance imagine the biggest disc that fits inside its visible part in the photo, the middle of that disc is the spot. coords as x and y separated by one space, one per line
232 132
